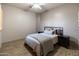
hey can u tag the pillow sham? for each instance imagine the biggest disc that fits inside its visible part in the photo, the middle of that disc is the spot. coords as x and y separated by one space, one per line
49 31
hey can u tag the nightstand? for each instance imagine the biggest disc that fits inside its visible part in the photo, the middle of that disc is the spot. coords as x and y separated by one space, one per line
64 41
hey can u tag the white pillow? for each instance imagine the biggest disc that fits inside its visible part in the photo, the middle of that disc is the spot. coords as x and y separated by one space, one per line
49 31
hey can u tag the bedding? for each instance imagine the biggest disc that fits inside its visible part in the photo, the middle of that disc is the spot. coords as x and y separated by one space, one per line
50 31
41 43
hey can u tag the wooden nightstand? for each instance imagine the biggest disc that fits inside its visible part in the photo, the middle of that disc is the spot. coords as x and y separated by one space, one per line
64 41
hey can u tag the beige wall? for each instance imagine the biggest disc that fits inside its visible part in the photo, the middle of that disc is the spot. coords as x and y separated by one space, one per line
0 39
65 16
17 23
0 18
38 22
0 24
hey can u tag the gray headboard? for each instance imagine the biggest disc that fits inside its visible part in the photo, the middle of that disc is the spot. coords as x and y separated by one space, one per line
59 30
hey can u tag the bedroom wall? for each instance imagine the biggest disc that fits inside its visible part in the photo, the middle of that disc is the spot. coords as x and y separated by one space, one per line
65 16
38 21
0 25
0 40
17 23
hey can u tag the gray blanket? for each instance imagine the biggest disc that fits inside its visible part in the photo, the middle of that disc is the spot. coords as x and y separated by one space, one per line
46 42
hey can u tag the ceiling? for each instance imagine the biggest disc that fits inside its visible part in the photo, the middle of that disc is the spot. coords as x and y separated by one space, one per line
27 6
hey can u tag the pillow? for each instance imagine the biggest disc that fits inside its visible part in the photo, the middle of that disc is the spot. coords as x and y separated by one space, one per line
49 31
59 31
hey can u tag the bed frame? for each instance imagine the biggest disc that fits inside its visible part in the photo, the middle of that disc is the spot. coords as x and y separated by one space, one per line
59 31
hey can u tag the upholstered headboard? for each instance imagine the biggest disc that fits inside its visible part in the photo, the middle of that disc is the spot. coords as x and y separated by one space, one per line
59 30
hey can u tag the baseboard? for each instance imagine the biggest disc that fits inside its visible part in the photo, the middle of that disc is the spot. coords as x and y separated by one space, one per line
11 40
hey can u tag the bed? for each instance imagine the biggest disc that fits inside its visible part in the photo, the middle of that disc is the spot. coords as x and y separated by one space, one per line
42 43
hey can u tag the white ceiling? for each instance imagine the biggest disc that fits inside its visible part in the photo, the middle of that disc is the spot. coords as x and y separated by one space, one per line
27 6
